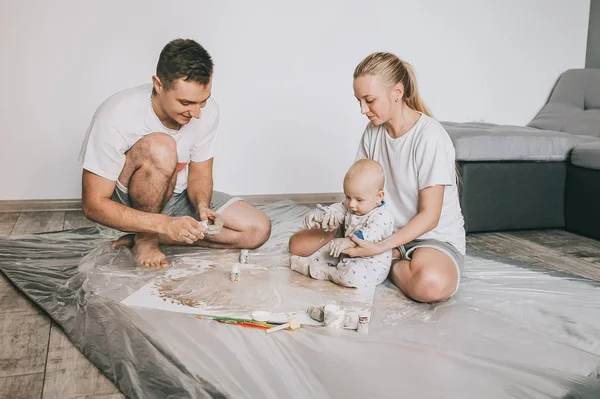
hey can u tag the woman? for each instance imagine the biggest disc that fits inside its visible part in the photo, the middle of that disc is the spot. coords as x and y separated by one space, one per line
421 183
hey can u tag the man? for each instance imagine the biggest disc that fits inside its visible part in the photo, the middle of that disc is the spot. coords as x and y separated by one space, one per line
148 160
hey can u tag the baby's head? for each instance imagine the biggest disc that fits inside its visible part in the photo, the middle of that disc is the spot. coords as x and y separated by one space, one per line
363 186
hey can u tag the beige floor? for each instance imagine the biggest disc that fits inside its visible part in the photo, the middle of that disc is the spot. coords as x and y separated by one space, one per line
38 361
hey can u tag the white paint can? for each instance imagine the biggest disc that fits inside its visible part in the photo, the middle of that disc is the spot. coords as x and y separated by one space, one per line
236 272
363 325
334 315
244 256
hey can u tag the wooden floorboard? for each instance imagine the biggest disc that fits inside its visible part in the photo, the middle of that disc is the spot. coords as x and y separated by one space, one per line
75 219
24 329
13 301
7 223
23 343
39 222
22 350
578 247
553 249
69 374
22 386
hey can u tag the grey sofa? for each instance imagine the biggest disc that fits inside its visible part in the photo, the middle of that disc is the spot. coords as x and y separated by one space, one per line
543 175
582 212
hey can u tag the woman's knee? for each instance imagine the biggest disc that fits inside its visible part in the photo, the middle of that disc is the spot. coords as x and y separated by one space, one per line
430 284
307 242
297 244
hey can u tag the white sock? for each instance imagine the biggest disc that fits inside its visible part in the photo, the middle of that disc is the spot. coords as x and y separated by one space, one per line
300 264
316 266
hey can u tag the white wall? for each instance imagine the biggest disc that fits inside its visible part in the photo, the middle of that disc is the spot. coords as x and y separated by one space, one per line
283 77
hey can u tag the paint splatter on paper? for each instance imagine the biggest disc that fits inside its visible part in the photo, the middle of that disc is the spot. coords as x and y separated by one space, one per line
204 287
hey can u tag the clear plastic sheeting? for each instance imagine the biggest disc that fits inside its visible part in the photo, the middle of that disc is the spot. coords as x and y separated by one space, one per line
510 331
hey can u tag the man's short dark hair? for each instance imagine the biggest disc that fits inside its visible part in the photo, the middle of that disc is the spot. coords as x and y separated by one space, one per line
184 59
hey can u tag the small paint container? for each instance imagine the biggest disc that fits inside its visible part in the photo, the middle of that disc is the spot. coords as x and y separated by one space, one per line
363 325
316 313
236 272
244 256
334 315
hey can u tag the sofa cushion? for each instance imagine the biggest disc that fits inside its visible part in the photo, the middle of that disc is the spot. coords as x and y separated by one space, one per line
489 142
574 105
587 155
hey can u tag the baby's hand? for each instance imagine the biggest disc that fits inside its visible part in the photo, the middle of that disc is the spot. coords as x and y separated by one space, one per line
337 245
326 218
332 218
314 218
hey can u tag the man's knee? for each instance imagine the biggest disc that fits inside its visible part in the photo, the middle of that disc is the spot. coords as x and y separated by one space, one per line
158 150
259 231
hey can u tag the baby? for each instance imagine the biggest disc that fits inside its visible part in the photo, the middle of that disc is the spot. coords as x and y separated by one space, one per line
363 214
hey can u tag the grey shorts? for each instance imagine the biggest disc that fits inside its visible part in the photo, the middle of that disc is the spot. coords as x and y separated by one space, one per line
179 204
406 251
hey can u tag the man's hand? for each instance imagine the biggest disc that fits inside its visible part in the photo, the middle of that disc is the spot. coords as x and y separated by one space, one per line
184 229
338 245
363 248
214 228
205 213
210 220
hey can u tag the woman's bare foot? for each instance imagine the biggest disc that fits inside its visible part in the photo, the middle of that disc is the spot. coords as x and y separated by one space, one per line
145 249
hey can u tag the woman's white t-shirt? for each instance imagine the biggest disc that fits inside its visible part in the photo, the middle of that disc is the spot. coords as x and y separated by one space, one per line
422 157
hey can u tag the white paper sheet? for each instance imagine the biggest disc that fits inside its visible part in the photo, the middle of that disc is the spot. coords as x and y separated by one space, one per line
204 287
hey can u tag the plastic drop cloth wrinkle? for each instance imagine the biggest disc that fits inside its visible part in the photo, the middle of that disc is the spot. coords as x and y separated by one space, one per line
512 331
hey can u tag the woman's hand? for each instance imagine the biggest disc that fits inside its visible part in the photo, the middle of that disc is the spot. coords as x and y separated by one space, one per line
364 248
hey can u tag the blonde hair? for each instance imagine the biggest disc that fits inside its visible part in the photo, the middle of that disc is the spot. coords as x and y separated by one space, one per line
391 70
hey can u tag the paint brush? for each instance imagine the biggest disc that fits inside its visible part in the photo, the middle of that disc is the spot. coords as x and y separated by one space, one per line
241 324
292 324
233 320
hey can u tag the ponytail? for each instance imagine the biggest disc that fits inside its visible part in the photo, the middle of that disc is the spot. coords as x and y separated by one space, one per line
392 70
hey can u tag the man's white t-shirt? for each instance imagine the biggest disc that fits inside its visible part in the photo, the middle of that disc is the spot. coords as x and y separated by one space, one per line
126 117
422 157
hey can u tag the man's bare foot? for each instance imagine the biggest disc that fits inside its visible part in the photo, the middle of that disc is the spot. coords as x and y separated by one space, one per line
128 240
145 249
147 252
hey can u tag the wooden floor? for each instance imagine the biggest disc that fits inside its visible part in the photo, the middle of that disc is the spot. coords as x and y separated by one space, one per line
38 361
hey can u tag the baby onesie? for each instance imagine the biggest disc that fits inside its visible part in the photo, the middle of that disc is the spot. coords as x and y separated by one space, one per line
375 226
